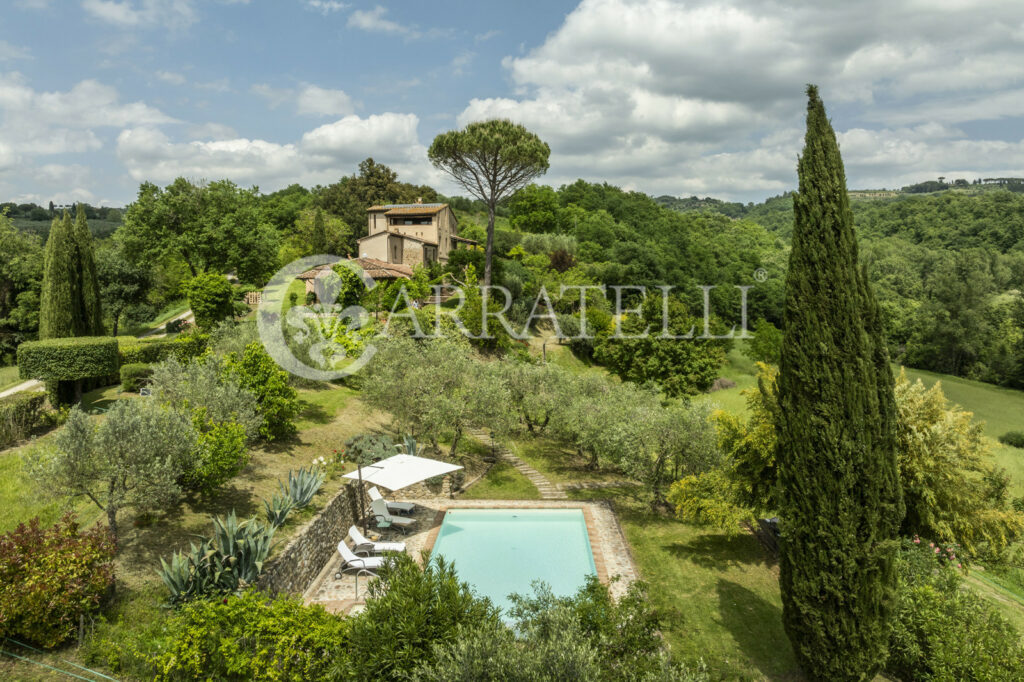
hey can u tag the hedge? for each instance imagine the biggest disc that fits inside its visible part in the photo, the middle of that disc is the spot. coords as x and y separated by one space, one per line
134 351
134 375
1014 439
18 414
70 359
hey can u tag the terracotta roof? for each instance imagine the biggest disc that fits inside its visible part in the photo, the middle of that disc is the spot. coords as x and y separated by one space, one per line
408 209
463 239
378 269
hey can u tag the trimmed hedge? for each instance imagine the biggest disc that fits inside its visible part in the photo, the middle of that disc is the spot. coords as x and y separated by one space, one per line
135 351
70 359
134 375
18 414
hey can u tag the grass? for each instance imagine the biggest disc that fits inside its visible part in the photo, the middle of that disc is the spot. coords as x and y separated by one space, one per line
719 593
502 482
170 311
9 377
999 409
742 371
1007 598
558 463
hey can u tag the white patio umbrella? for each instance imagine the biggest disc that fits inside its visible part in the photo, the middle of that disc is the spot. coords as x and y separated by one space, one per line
401 471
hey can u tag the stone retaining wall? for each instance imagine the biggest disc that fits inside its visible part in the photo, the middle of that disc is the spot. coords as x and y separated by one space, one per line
308 552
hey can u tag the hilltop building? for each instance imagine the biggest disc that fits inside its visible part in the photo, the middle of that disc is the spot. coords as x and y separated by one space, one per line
411 234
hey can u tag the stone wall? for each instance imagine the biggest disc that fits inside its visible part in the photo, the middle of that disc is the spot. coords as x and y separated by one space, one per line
308 552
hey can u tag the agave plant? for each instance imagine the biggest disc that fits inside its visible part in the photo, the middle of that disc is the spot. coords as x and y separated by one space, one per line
303 485
227 562
411 447
277 510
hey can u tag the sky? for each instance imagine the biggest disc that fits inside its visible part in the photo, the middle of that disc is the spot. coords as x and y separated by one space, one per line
660 96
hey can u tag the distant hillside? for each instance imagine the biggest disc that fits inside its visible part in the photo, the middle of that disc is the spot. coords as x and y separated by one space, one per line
707 204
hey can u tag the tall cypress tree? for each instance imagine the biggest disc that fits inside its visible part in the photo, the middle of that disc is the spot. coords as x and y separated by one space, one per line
841 503
319 238
60 290
92 312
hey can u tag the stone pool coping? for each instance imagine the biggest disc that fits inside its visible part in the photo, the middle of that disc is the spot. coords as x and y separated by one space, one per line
612 556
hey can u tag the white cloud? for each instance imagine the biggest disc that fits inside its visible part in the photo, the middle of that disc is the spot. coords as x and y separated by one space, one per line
485 36
373 20
309 100
65 122
702 96
10 52
321 155
326 7
317 101
171 77
142 13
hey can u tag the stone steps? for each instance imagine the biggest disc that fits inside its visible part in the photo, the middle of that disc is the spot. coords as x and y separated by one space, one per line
547 489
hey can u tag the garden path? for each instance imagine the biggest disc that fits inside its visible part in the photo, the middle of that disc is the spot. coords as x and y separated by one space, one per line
547 489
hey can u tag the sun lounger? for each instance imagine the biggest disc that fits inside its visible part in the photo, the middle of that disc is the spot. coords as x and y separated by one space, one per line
393 507
387 520
361 544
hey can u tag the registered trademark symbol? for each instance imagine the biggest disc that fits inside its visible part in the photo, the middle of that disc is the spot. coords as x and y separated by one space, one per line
760 274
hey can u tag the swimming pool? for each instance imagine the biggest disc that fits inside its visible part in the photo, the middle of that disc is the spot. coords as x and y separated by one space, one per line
501 551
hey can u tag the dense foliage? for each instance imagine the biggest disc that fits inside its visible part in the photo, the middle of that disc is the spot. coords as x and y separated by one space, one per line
134 375
19 414
70 298
278 403
840 498
211 299
253 636
942 631
50 577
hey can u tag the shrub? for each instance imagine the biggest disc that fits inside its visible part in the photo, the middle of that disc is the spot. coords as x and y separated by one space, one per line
409 610
1014 439
66 360
228 562
256 372
219 455
210 297
203 384
135 375
249 637
176 326
19 413
50 577
941 631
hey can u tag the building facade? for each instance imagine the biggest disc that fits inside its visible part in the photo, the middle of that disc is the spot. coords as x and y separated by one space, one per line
411 234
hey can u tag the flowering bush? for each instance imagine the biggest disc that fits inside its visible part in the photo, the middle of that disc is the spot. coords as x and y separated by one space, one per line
943 632
51 576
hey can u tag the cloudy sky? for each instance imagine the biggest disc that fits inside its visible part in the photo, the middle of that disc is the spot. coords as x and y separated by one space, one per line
657 95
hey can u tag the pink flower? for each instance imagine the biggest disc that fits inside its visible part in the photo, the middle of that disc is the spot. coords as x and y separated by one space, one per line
936 550
917 541
959 566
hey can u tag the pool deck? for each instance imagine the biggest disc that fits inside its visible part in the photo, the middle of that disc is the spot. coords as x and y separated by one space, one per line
611 551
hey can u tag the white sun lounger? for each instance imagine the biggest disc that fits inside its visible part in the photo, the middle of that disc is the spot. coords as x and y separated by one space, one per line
362 564
393 507
362 544
387 520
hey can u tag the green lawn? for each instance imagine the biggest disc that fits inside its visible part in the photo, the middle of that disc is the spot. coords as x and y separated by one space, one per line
740 369
502 482
9 377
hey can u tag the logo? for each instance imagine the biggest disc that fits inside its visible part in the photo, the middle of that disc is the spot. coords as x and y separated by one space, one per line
309 318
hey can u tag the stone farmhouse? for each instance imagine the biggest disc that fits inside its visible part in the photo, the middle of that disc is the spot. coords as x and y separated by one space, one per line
411 234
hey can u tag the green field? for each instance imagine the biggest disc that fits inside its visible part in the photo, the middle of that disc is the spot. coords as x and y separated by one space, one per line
8 377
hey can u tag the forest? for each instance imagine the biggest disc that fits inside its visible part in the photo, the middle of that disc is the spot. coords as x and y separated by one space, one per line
947 267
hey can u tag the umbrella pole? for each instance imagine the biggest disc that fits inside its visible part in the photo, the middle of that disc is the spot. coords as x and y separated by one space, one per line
362 508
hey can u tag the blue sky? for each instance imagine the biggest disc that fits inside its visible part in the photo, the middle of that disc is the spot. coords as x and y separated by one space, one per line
666 97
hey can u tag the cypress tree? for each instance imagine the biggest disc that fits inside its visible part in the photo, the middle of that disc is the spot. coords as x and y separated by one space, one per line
319 233
840 499
60 282
92 317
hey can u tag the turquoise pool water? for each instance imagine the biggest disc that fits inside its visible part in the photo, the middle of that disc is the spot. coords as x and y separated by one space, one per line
501 551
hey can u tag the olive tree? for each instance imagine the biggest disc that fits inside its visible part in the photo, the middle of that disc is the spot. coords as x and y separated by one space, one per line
131 459
491 160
